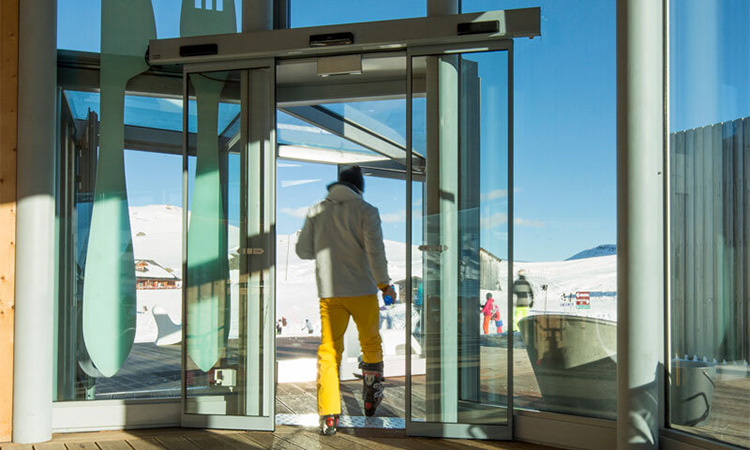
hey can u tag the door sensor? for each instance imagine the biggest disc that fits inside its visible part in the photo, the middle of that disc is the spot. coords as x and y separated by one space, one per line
490 26
340 65
328 39
199 50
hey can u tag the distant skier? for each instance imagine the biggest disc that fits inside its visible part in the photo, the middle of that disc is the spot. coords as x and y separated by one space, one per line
524 298
308 326
497 319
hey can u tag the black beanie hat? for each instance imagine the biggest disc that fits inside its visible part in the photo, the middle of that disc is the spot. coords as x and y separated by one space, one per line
353 176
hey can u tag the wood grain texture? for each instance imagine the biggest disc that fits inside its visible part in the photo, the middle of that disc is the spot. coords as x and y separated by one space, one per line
176 443
290 438
90 445
144 444
116 445
8 145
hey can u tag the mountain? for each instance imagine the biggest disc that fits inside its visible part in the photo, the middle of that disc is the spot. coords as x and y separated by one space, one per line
600 250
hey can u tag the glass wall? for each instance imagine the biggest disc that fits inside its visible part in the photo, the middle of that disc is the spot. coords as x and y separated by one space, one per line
709 137
565 255
306 13
460 236
120 203
120 259
92 25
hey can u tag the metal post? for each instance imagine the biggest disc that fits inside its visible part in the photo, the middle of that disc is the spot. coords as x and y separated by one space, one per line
257 15
441 228
35 238
640 221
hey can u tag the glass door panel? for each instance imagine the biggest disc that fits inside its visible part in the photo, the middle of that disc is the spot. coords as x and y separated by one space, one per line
461 219
228 360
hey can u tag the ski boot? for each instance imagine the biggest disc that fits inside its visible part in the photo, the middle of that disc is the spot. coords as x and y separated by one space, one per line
329 424
372 386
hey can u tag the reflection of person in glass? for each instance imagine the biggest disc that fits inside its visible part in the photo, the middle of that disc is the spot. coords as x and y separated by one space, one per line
524 298
487 312
343 234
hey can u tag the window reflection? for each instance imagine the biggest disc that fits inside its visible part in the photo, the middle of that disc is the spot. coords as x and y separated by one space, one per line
709 178
153 169
306 13
79 21
564 209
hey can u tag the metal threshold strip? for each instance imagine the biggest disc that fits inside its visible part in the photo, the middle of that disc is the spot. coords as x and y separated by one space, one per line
311 420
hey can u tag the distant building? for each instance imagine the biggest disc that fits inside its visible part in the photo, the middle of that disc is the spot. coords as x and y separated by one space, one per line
492 273
150 275
400 287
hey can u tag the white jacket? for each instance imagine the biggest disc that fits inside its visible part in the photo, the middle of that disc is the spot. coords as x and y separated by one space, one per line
342 234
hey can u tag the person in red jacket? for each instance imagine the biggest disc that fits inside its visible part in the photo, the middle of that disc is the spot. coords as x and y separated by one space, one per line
487 311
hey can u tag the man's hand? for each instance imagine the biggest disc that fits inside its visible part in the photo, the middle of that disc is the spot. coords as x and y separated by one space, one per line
389 291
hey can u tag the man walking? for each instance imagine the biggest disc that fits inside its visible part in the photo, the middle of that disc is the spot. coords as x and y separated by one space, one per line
343 235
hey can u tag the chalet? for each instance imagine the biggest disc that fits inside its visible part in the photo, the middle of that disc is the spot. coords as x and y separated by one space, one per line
150 275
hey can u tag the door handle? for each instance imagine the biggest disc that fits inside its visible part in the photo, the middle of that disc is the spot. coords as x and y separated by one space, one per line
251 251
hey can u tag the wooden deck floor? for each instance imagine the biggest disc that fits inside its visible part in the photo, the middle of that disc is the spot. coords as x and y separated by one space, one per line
159 376
285 438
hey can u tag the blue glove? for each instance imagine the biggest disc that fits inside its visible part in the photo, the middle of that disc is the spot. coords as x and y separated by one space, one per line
388 300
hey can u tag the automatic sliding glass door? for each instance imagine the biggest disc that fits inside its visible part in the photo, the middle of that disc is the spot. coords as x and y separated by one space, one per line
460 197
228 307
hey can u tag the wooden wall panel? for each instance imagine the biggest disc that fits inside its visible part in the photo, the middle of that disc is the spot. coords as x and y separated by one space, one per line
739 226
689 323
710 233
8 145
719 239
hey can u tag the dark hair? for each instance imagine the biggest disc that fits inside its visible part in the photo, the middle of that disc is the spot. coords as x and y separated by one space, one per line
353 177
489 295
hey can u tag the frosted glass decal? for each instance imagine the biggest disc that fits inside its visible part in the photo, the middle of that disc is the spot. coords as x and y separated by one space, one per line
109 294
207 271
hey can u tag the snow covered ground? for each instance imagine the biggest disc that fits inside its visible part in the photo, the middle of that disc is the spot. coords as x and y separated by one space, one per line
157 236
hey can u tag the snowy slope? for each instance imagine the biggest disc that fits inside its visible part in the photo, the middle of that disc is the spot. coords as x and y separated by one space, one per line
157 236
296 291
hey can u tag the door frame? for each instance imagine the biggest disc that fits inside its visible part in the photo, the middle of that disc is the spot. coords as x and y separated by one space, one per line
365 37
440 429
265 421
241 51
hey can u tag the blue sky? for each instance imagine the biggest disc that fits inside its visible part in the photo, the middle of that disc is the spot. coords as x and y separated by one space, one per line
565 100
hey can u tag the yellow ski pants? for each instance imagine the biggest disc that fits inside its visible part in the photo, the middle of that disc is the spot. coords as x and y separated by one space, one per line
520 313
334 318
